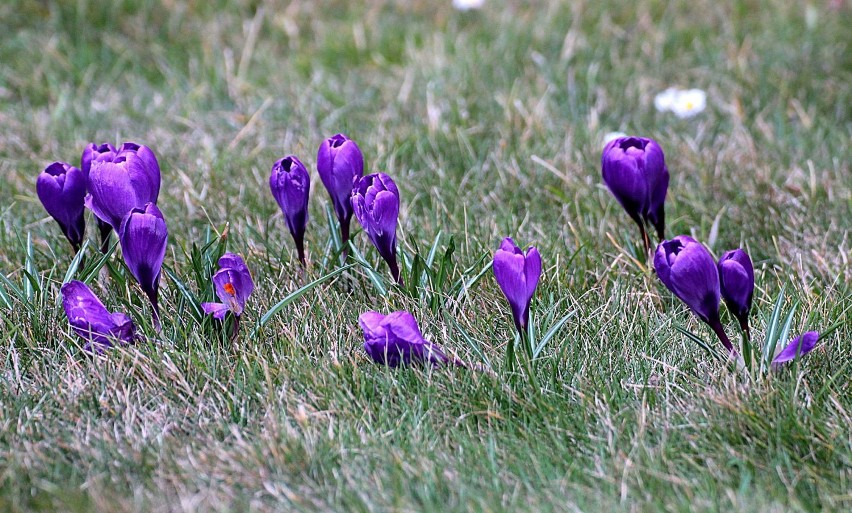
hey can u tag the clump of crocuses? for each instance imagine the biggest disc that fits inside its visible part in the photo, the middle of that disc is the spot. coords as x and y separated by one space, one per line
736 281
339 163
61 188
233 285
290 184
375 200
143 235
395 340
634 169
517 273
92 321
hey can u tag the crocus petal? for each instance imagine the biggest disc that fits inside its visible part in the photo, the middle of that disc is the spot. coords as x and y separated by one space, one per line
92 152
61 188
92 321
289 182
339 163
112 192
395 339
736 280
801 345
687 269
218 310
144 235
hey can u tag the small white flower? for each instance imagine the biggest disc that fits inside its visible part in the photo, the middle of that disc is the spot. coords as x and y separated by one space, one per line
689 103
466 5
611 136
663 102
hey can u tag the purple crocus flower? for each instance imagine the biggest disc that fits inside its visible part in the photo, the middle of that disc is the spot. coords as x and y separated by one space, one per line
129 180
233 286
339 163
736 280
517 274
395 339
290 183
688 270
375 200
634 169
92 321
799 346
61 188
143 235
93 152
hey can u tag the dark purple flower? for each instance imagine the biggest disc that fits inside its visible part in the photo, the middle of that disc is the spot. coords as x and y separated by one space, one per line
233 285
799 346
290 183
92 321
395 339
688 270
339 163
92 152
634 169
517 274
736 280
61 188
375 200
129 180
143 235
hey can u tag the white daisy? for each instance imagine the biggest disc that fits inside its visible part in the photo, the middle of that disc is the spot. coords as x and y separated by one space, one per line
689 103
663 102
466 5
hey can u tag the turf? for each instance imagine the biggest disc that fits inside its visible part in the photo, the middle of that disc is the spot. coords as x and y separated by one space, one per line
491 122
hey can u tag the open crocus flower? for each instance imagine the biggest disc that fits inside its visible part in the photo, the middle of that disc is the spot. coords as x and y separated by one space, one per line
517 274
61 188
233 286
144 235
688 270
339 163
736 280
290 184
92 321
634 169
130 179
395 339
375 200
798 347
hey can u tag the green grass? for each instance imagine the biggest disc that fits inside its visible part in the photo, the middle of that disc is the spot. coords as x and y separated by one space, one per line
491 124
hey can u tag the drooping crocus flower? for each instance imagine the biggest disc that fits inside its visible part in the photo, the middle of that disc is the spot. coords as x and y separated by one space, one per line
290 184
233 286
517 274
736 280
129 180
395 339
339 163
688 270
92 321
143 235
61 188
799 346
375 200
634 169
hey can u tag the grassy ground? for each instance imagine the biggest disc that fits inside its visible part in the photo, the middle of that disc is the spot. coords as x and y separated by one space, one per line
491 123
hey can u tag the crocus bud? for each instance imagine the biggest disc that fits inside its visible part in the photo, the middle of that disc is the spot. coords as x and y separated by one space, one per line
395 339
688 270
339 163
143 235
93 152
130 180
634 169
517 274
92 321
375 200
233 286
290 184
799 346
736 280
61 188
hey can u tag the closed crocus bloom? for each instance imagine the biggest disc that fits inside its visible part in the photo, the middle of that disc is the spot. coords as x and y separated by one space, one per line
130 180
517 274
61 188
395 339
375 200
799 346
233 286
290 183
93 152
688 270
736 280
152 166
339 163
634 169
143 235
92 321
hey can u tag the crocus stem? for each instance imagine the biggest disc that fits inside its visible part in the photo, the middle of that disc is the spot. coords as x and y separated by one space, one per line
300 250
394 269
716 325
155 317
745 328
344 237
645 240
105 230
235 328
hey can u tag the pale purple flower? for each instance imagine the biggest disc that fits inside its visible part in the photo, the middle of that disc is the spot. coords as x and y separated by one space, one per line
92 321
395 340
517 273
233 286
290 184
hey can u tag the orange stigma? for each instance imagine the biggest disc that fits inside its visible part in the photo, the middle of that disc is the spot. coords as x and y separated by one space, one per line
229 288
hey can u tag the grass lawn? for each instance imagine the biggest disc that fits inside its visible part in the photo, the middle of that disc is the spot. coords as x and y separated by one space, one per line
492 124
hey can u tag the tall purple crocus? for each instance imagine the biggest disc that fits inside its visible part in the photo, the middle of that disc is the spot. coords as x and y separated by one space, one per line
634 169
92 321
290 184
233 286
61 188
736 280
127 180
688 270
517 273
100 152
395 339
375 200
143 235
799 346
339 163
